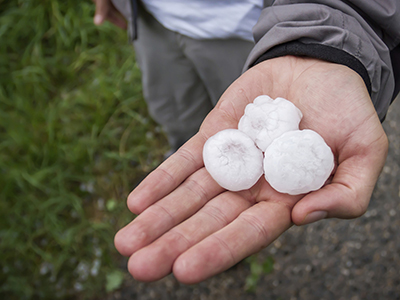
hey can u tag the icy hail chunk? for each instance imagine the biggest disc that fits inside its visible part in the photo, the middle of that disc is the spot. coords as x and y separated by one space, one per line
233 160
266 119
298 162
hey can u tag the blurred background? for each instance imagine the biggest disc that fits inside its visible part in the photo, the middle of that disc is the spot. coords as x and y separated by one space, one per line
75 138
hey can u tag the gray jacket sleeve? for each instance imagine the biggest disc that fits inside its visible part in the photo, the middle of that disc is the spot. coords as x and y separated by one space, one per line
361 34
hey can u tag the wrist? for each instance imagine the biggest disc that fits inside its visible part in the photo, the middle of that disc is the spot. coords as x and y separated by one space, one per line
318 51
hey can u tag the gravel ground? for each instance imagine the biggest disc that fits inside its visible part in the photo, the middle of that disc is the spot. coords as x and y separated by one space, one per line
332 259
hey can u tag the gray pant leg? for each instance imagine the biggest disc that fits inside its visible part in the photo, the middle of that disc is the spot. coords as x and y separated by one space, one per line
173 90
182 77
218 62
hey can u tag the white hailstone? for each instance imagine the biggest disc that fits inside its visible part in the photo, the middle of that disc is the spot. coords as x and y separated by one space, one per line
266 119
233 160
298 162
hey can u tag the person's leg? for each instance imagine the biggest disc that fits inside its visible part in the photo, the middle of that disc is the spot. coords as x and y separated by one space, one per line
218 62
176 97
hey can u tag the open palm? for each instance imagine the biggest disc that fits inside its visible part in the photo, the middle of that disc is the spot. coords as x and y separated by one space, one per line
190 226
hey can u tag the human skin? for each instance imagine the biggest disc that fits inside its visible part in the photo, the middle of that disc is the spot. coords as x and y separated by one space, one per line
106 11
187 224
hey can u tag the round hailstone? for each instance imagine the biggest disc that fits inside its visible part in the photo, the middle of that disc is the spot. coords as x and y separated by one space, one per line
233 160
298 162
266 119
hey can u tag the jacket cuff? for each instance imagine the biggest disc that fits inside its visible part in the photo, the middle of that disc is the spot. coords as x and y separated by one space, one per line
318 51
333 24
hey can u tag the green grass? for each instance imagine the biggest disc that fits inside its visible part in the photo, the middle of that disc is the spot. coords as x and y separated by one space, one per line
258 268
75 138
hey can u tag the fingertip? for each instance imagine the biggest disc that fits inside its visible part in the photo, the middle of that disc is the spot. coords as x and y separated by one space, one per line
120 243
332 201
138 269
131 238
315 206
142 196
133 205
148 266
182 270
98 19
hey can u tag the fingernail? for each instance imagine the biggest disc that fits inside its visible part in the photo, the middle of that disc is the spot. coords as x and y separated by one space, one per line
98 19
314 217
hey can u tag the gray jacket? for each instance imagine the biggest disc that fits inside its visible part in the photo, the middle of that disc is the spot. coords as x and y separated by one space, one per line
361 34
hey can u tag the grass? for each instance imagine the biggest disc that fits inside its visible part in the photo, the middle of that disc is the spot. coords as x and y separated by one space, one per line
258 268
75 138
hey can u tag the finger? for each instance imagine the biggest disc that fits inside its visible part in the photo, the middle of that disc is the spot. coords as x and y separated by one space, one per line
349 193
100 14
105 10
167 213
188 158
253 230
155 261
169 175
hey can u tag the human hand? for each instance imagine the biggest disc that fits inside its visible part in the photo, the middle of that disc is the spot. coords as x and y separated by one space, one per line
189 225
106 11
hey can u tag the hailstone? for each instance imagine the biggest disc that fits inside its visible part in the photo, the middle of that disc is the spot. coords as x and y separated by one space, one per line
266 119
298 162
268 140
233 160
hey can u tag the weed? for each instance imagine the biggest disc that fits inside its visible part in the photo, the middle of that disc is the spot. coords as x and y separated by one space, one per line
74 140
257 269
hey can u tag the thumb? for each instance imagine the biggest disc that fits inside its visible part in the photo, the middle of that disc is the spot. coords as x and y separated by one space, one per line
347 196
332 201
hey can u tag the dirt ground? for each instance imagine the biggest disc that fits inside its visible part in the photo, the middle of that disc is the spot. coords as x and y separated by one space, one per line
328 260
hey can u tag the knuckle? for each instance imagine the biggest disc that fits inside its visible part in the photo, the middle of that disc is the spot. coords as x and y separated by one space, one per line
216 214
196 189
258 226
186 155
359 208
